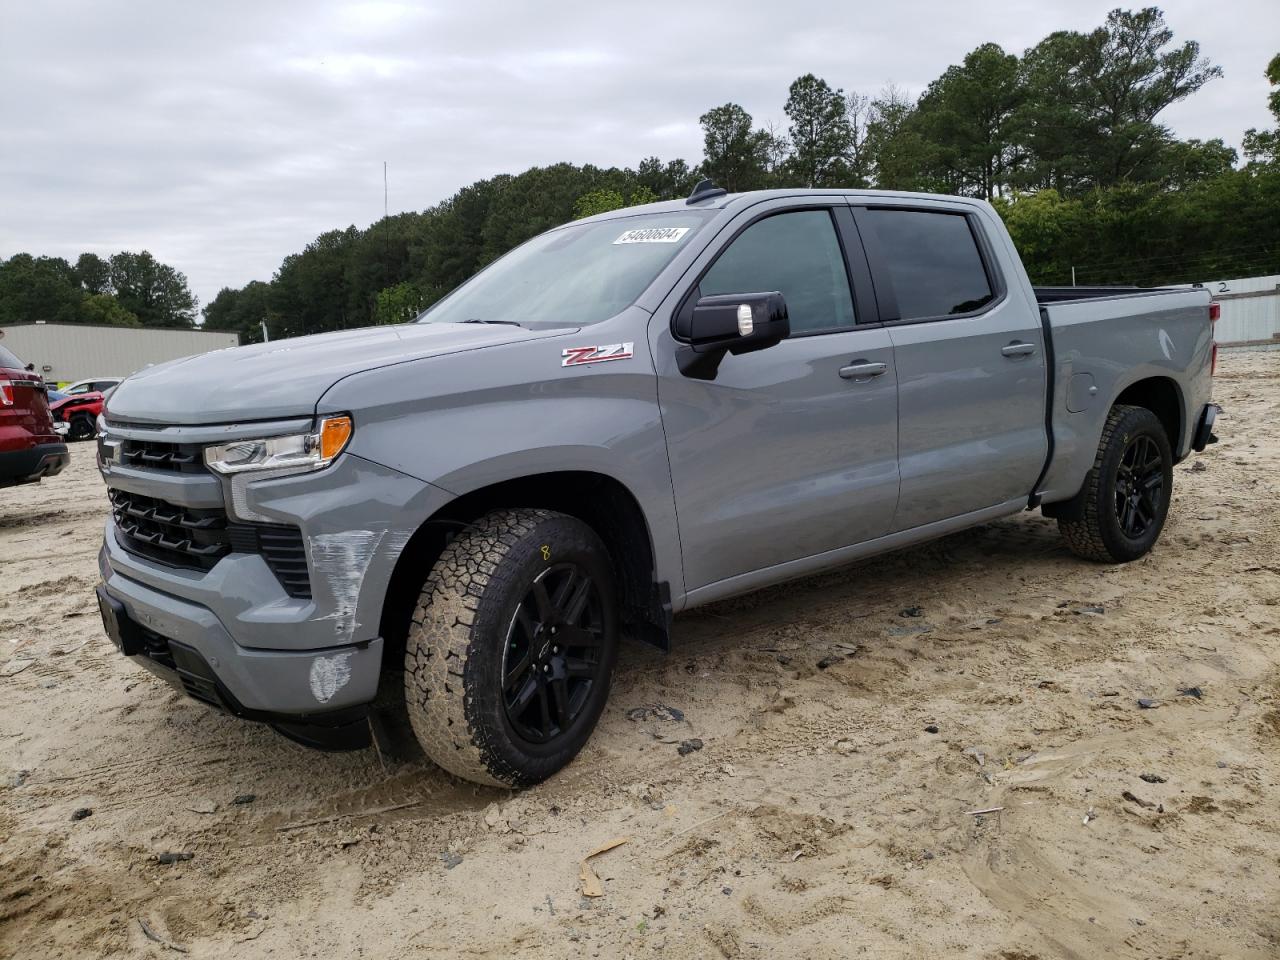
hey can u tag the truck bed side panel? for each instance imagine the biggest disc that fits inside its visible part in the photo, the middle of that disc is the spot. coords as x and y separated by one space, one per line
1101 347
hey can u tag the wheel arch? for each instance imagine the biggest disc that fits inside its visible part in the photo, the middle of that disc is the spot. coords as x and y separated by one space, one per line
1163 397
1159 394
602 502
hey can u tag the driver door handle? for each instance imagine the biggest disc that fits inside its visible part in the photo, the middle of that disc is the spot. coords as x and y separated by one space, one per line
862 370
1018 349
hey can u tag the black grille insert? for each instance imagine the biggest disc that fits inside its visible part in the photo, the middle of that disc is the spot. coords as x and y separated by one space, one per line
197 539
179 536
158 455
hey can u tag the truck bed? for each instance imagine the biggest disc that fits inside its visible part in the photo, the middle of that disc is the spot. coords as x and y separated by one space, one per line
1045 295
1106 339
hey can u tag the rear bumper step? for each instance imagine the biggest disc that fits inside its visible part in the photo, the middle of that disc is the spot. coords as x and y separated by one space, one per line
1204 428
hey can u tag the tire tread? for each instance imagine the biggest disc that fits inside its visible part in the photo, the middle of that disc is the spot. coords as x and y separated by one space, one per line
1084 537
440 642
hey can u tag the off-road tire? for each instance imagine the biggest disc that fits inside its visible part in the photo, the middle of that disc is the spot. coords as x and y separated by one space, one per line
1097 534
454 650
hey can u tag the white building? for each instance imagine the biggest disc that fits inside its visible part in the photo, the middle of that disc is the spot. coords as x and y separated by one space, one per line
64 352
1250 309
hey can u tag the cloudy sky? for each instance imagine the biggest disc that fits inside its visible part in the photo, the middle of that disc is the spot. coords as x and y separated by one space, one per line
223 136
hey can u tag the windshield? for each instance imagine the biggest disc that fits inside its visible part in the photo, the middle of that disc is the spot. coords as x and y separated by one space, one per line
579 274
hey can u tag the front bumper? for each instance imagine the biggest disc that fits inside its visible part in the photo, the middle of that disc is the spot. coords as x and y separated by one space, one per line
265 654
192 673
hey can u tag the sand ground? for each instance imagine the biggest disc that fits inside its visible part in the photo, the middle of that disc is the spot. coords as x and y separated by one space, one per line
821 818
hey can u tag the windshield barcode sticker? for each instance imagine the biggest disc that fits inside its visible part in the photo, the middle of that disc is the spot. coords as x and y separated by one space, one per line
653 235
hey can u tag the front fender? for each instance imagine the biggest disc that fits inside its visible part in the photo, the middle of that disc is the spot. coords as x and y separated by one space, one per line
488 416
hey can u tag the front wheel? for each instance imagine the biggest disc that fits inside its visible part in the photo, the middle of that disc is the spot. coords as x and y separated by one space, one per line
511 647
1127 491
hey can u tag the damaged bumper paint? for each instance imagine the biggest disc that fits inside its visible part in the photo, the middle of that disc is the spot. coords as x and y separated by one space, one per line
272 651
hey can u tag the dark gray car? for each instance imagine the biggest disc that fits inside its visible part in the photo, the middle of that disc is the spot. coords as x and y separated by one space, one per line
625 417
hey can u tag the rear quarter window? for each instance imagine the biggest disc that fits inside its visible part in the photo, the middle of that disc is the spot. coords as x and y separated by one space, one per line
933 262
7 359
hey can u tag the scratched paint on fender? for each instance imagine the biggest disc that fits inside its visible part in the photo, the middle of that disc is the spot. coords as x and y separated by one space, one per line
340 560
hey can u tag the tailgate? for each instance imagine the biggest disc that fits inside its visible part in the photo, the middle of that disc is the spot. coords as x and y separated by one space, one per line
25 419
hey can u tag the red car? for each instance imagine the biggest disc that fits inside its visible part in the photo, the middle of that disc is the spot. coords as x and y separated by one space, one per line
30 448
79 411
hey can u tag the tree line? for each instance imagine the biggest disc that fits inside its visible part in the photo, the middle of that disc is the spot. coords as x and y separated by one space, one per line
126 290
1064 139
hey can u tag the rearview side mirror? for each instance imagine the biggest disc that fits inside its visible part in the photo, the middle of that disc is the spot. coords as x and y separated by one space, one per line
733 323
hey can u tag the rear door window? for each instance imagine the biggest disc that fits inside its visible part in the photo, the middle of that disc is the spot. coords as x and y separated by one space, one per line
933 262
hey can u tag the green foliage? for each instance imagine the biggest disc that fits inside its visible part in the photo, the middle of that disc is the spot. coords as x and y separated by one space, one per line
1263 146
821 135
127 290
1092 100
94 273
642 195
104 308
673 180
243 311
154 292
737 157
398 304
896 153
34 289
597 201
972 114
1223 226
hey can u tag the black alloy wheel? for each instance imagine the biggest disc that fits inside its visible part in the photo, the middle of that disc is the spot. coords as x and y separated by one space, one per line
552 653
511 647
1139 486
1120 510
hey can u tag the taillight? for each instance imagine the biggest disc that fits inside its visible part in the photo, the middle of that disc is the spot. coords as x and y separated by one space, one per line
6 393
1213 360
1215 311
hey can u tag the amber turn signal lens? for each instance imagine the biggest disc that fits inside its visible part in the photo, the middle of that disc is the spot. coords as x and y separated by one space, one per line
334 434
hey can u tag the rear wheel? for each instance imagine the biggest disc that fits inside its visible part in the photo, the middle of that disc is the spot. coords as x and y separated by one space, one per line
1127 492
511 647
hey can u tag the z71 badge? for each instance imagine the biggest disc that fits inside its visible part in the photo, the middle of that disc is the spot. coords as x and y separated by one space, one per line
577 356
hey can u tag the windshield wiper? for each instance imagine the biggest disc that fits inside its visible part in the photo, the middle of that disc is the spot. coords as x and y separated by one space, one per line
507 323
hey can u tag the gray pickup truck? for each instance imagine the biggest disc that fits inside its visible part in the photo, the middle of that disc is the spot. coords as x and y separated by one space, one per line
625 417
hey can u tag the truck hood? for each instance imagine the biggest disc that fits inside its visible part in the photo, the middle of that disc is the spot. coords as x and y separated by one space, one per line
285 378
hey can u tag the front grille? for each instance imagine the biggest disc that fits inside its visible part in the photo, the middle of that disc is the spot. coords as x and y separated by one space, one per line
158 455
179 536
196 539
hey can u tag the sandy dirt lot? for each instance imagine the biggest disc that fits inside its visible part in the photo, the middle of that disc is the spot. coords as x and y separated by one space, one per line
829 812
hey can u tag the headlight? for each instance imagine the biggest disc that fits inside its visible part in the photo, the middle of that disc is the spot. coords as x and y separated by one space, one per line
296 453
